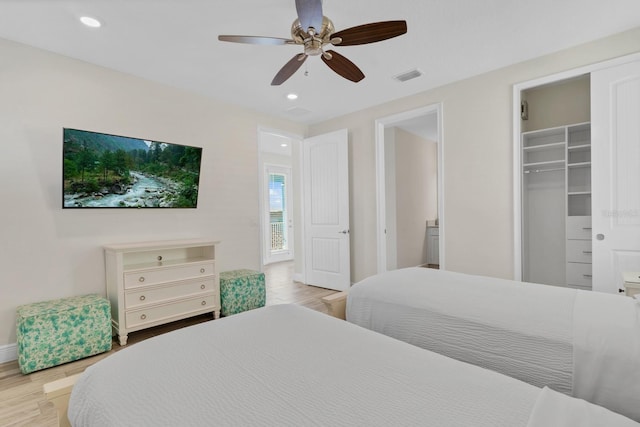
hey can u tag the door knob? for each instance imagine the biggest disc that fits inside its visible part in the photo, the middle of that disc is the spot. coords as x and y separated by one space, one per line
600 236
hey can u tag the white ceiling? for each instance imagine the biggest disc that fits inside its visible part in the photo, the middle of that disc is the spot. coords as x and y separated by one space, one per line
175 42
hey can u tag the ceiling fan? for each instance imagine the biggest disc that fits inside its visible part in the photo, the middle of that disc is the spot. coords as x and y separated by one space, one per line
314 31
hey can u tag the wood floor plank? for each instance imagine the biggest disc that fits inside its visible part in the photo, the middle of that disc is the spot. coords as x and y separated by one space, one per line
22 402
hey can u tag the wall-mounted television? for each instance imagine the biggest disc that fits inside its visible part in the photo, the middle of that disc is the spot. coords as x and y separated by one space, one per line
110 171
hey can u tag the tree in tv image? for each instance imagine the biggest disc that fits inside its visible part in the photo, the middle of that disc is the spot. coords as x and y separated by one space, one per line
110 171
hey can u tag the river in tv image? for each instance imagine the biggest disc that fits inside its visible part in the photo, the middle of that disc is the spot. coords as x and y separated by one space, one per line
147 191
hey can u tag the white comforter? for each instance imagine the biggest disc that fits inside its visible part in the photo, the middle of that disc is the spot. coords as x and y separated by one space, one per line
290 366
585 344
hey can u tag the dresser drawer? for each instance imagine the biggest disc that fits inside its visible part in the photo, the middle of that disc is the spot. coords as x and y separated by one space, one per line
579 227
579 275
163 313
579 251
164 274
140 296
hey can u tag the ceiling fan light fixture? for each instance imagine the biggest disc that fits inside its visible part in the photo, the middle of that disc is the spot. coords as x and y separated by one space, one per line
90 22
313 31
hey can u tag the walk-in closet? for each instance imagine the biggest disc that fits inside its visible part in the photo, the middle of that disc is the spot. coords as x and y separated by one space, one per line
577 180
556 184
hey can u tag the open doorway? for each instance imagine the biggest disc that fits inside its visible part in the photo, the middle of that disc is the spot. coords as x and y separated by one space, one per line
276 196
409 173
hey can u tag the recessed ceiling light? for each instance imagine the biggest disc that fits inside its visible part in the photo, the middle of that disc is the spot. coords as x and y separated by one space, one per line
292 96
90 22
283 145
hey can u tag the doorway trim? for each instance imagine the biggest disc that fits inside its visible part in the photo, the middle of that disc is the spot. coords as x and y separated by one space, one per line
518 88
380 125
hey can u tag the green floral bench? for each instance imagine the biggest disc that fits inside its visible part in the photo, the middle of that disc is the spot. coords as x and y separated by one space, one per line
241 290
54 332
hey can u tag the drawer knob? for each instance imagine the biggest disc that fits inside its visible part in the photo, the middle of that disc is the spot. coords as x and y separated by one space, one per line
587 276
142 298
586 252
159 258
141 279
203 303
600 236
144 316
202 286
202 270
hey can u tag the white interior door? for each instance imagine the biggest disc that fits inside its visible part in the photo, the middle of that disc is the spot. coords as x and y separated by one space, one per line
326 210
615 112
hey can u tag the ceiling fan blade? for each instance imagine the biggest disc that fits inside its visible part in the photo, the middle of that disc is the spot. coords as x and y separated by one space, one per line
310 14
370 33
255 40
343 66
289 69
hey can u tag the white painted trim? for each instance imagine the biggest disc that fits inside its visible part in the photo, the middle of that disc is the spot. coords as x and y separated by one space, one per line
301 253
382 199
517 177
8 353
380 178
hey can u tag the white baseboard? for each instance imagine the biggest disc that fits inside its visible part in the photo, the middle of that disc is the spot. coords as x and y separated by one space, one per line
297 277
8 353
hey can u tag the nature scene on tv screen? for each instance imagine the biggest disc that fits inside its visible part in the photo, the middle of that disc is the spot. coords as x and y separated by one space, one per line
109 171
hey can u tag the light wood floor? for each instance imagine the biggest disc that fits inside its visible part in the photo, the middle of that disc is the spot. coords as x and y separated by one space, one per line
22 402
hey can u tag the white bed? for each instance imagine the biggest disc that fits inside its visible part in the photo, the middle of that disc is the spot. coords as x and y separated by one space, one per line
290 366
581 343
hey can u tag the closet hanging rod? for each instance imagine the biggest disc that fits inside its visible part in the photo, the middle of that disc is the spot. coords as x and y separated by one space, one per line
543 170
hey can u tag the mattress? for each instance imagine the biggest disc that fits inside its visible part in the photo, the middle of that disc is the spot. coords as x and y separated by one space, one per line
581 343
290 366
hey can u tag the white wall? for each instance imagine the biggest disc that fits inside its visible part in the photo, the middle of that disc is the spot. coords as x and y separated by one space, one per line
478 156
47 252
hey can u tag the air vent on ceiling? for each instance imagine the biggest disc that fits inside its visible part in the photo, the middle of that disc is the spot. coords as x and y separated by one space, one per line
411 74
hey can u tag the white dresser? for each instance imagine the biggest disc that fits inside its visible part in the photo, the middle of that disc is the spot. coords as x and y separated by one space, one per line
152 283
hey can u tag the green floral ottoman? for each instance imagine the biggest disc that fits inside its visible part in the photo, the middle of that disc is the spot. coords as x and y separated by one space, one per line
241 290
54 332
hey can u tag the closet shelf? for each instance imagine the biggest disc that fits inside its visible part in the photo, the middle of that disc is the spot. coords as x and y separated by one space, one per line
548 163
543 146
578 147
579 165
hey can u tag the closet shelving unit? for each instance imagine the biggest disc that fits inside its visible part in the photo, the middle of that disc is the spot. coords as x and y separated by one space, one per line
556 202
579 268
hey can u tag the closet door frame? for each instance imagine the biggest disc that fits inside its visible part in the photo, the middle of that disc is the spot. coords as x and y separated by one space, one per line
518 88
